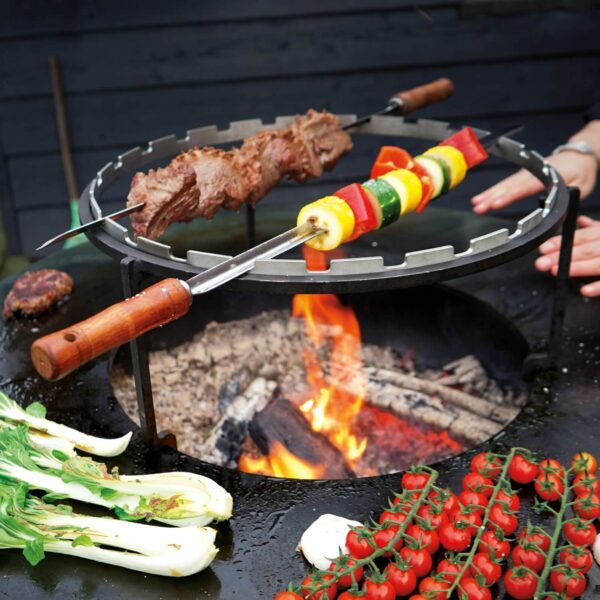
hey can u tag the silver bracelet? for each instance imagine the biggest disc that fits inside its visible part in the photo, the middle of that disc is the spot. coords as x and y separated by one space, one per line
579 146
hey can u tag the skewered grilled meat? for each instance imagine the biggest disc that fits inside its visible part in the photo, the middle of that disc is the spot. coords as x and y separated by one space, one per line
36 292
197 182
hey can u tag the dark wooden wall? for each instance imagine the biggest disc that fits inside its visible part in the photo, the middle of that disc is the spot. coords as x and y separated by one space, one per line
135 70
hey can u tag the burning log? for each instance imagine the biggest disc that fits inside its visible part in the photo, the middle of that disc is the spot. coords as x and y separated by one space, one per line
280 421
224 445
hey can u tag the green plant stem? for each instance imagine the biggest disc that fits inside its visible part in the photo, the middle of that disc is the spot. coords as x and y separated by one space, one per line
552 550
370 560
484 521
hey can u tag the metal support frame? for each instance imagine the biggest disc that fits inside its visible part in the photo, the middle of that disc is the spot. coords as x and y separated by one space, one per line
559 302
131 276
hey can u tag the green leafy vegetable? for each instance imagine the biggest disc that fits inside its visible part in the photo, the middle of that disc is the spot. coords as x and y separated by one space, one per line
174 498
54 435
29 524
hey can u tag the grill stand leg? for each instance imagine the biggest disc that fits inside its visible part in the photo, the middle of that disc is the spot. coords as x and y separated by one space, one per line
131 276
562 278
250 227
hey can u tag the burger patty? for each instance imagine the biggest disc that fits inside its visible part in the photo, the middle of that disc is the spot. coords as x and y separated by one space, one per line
36 292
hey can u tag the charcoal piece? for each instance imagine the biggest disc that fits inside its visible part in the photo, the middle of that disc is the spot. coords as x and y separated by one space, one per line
280 421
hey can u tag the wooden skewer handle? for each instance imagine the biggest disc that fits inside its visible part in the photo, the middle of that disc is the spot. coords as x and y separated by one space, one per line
424 95
58 354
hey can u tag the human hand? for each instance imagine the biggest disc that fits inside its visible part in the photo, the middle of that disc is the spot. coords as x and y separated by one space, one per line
585 261
576 169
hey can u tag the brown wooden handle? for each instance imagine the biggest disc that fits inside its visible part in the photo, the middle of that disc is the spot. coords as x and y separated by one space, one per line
59 353
424 95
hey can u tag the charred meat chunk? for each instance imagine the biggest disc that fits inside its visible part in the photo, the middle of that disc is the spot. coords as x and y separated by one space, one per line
198 182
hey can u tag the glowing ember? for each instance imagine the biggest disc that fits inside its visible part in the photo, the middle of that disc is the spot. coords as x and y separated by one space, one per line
281 463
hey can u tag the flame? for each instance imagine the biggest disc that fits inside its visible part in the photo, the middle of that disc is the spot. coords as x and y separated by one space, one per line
281 463
338 394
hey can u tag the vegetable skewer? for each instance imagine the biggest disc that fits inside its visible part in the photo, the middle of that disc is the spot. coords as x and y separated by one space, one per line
399 184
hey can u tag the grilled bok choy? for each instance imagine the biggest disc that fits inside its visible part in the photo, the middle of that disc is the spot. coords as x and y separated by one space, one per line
180 499
28 523
34 416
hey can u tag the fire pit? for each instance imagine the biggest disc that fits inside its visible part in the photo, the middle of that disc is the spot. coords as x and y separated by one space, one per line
268 394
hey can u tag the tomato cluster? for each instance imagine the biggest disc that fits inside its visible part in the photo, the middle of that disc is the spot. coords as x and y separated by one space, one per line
474 528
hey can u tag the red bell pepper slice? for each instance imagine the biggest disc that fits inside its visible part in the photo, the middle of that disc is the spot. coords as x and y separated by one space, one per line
427 184
389 159
357 199
466 141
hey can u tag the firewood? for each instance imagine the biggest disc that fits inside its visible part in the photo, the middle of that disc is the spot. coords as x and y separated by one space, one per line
280 421
470 403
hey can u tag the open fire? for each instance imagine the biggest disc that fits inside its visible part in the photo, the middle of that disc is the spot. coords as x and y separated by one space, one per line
335 407
296 394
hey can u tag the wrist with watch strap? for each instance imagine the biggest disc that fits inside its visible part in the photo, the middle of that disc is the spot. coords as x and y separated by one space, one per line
579 146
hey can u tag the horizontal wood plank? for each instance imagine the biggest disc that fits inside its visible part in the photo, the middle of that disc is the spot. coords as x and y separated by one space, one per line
131 118
26 18
263 49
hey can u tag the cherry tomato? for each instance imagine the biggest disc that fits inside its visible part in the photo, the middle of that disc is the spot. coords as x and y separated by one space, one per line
420 560
549 487
358 545
552 466
567 580
494 544
428 539
449 569
504 520
343 564
328 591
348 595
389 517
415 480
478 483
433 588
471 518
383 537
520 584
404 580
287 596
510 501
434 515
577 558
455 537
536 536
584 483
472 590
521 470
447 499
487 465
588 506
379 590
584 462
530 558
489 569
474 500
580 533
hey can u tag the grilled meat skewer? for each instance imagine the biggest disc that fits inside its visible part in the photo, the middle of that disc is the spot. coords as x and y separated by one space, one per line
197 182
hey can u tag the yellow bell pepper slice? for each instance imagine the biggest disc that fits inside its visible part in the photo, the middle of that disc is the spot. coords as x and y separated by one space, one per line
334 216
454 159
408 186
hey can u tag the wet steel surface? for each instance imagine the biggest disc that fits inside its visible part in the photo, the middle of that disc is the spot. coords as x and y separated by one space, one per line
257 547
